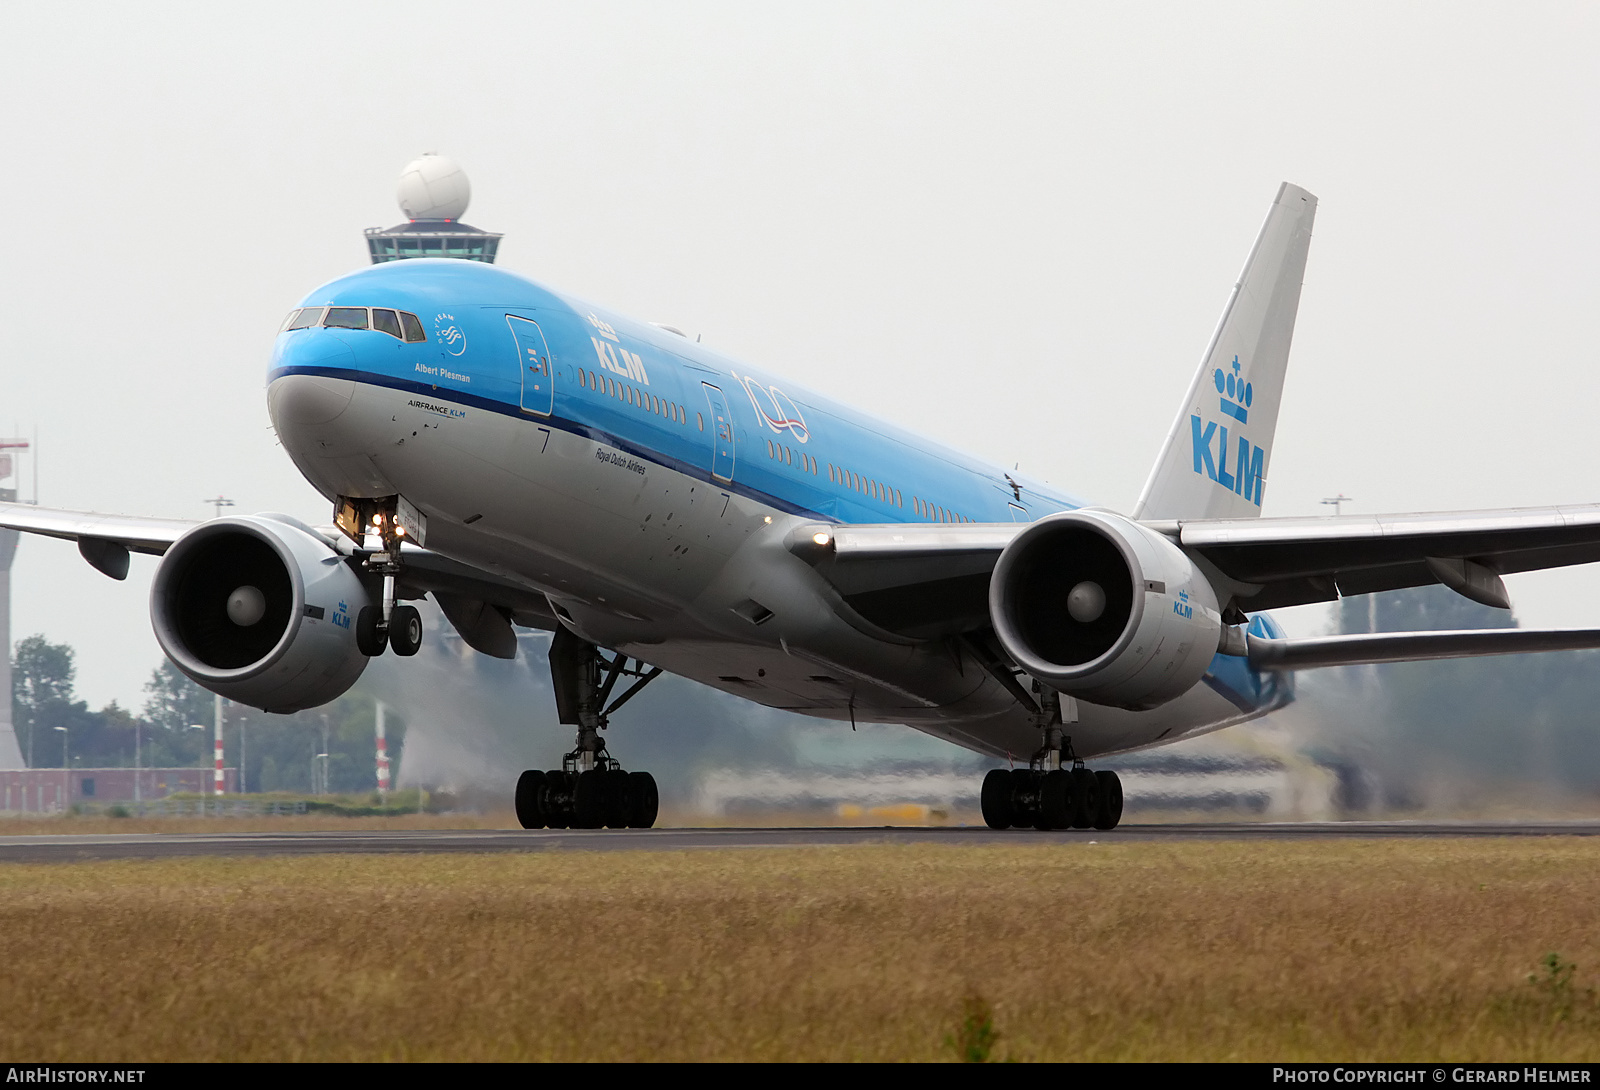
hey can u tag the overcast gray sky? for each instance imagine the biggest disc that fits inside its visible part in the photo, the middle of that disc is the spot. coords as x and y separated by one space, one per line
1011 226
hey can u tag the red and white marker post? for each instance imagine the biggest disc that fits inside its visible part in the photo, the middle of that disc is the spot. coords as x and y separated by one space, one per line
220 782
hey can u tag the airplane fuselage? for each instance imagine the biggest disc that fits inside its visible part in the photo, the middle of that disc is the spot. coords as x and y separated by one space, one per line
646 486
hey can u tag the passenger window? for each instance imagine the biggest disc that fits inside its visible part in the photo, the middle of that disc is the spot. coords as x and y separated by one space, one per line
385 321
769 448
305 319
346 318
700 418
413 328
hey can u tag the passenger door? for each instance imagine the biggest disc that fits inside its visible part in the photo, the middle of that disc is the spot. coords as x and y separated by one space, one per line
538 370
722 446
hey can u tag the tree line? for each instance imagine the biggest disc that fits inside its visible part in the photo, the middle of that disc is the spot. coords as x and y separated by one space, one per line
279 749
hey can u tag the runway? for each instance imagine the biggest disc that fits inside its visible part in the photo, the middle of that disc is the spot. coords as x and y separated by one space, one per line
72 848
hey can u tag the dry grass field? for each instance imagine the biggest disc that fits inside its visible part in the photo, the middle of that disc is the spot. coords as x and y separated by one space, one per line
1391 949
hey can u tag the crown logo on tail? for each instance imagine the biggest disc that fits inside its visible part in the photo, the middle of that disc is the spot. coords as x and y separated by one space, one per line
1236 392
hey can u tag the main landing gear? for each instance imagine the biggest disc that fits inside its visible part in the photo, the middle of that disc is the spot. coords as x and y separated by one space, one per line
1056 798
590 789
1046 795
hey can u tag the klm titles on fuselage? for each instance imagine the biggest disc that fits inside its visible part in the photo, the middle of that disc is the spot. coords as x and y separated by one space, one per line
613 357
1210 440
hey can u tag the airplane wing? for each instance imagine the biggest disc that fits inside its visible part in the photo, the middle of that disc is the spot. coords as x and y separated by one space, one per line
139 535
930 581
480 604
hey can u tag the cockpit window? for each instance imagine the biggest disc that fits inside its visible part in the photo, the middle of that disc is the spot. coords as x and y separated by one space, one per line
412 327
384 321
346 318
304 319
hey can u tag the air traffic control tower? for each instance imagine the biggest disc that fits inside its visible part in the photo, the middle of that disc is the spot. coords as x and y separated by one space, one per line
433 195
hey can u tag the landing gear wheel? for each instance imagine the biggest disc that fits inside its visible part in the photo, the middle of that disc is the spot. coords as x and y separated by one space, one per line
995 800
554 799
405 630
1085 798
530 808
1109 812
589 800
370 637
1056 796
644 801
617 810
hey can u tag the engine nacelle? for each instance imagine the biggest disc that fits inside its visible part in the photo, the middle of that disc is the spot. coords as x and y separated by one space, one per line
1102 609
260 610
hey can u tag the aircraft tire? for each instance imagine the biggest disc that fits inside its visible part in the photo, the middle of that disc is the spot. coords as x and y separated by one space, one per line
530 786
1024 797
1085 798
644 800
617 810
370 637
589 800
405 630
1109 813
556 813
995 799
1056 797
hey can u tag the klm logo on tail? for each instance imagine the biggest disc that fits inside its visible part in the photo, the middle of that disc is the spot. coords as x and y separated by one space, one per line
1210 438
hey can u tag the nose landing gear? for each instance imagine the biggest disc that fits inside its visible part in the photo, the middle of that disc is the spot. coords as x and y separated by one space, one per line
590 789
386 625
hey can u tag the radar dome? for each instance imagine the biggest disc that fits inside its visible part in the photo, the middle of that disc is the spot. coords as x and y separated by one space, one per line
433 188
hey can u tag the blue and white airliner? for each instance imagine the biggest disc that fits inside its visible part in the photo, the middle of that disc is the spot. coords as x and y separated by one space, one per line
532 459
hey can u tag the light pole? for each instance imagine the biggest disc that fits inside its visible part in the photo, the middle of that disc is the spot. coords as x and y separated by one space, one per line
137 764
66 771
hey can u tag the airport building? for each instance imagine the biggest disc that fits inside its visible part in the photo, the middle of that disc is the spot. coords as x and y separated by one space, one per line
53 790
433 195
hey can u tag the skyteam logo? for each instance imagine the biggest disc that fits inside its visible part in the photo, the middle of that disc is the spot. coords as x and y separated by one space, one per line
1210 440
1181 605
775 409
449 334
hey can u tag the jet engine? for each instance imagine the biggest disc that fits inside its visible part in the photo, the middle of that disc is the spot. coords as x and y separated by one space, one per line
260 610
1102 609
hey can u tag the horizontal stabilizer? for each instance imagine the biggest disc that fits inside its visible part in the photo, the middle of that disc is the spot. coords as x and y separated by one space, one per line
1269 654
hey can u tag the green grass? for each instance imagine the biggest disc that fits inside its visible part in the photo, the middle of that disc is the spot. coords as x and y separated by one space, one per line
1415 950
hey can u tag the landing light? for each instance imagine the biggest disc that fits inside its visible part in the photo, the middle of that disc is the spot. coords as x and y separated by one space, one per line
821 537
768 519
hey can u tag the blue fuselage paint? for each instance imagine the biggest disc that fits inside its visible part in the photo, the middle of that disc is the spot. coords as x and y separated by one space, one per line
500 343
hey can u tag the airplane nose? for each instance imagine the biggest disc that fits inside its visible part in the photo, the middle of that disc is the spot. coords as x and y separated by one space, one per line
299 394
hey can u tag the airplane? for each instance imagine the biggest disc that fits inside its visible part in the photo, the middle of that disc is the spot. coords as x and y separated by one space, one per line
534 460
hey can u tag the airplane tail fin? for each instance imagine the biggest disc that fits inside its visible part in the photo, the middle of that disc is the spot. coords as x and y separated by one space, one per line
1214 462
